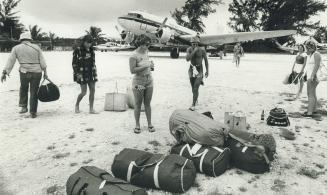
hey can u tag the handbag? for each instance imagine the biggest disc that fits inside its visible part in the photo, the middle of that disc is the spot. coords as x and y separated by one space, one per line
322 73
49 92
278 117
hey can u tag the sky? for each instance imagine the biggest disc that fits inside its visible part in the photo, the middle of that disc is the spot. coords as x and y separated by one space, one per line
70 18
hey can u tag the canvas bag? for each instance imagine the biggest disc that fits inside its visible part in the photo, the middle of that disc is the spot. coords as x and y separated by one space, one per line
210 160
172 173
48 92
90 180
251 152
192 127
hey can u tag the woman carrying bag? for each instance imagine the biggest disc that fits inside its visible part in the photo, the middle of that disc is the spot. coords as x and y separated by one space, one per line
299 69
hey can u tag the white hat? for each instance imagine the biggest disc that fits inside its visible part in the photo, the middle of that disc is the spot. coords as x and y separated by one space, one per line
25 35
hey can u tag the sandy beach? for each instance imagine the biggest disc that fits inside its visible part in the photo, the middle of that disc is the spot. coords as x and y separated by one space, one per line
38 155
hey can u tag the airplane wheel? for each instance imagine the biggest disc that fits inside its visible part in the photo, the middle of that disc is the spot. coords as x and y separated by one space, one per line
174 53
105 50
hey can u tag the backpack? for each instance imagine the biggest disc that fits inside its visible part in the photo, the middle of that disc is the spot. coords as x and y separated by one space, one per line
251 152
172 173
210 160
91 180
278 117
49 92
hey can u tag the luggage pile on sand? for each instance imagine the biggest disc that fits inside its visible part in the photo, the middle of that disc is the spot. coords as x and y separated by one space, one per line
204 146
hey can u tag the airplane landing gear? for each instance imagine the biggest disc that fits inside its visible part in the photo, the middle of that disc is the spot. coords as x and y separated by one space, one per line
174 53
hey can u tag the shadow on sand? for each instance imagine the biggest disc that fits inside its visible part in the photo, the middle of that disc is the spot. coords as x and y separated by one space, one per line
3 190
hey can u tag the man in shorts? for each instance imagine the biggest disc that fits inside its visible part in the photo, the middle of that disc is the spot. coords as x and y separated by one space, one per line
196 55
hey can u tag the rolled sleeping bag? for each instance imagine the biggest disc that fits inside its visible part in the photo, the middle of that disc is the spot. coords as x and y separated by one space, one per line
210 160
172 173
192 127
92 180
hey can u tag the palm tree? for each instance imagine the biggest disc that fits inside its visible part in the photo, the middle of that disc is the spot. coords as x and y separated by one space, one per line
96 34
52 37
36 32
9 22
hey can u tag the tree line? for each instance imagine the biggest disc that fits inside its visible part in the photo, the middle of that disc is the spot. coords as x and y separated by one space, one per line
247 16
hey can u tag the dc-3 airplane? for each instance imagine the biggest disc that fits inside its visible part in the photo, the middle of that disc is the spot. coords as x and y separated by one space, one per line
166 32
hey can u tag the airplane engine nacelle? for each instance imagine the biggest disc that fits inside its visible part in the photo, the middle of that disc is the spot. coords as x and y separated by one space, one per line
127 37
164 35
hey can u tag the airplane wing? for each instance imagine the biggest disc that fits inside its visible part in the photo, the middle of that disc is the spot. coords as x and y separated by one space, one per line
238 37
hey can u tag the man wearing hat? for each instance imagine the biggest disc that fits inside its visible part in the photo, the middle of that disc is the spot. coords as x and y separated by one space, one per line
32 64
196 54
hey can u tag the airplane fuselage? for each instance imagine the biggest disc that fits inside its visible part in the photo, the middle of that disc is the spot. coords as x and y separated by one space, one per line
144 23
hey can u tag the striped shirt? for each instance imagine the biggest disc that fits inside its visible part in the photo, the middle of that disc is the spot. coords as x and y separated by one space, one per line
29 56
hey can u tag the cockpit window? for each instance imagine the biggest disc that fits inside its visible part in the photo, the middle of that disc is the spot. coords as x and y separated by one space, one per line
135 15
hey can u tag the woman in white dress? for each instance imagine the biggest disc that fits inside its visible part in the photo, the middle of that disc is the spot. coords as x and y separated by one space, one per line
314 61
299 68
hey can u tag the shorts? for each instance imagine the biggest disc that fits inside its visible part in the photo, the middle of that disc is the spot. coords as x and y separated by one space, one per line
145 81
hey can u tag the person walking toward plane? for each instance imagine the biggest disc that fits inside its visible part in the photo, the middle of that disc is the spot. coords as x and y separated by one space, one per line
299 67
142 85
238 52
32 64
196 55
85 72
314 61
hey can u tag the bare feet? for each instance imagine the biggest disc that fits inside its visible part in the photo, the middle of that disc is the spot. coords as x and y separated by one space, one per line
77 109
92 111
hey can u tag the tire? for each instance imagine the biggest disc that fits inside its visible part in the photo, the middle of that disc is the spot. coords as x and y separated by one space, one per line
174 53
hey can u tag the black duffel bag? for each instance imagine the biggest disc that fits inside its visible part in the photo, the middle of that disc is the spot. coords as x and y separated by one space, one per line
172 173
278 117
209 160
48 92
251 152
90 180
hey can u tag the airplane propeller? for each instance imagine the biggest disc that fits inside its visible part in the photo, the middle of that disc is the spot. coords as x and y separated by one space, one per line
122 33
159 31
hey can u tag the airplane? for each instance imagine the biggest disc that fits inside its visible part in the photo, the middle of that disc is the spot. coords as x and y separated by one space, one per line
166 32
112 46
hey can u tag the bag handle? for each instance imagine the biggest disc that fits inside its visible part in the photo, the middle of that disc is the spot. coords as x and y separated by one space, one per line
249 144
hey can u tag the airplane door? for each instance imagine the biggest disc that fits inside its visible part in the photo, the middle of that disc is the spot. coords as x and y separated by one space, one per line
143 26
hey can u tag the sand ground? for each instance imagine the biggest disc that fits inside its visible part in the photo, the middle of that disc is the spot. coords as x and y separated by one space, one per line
38 155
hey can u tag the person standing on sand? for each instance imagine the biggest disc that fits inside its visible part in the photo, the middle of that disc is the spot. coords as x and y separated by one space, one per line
299 67
85 72
142 84
313 64
196 54
238 52
32 64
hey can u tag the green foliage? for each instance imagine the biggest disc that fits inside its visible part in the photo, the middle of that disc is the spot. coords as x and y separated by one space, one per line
10 25
190 15
251 15
96 34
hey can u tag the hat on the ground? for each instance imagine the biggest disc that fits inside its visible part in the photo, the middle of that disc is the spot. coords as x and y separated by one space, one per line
25 36
195 39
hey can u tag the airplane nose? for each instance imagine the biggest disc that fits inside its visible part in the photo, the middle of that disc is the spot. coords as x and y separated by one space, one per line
121 22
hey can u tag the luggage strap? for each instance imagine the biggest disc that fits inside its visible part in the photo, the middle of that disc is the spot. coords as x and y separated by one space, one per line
196 147
133 164
249 145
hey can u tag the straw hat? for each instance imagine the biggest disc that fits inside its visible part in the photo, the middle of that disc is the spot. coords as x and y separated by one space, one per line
25 36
